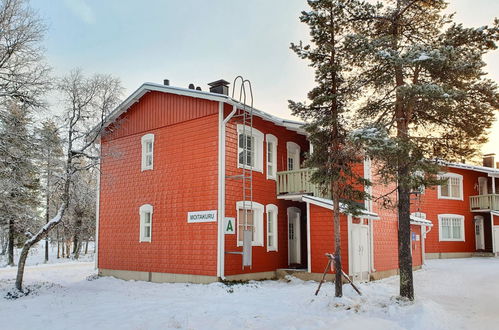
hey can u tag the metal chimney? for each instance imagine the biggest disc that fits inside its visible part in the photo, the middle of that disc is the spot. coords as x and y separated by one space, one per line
220 87
166 82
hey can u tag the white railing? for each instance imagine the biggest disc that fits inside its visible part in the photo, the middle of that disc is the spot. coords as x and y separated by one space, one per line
297 182
485 202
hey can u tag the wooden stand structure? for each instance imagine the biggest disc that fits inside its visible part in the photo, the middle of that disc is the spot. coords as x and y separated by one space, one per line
331 259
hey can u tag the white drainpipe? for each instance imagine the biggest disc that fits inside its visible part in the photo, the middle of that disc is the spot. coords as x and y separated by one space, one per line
221 187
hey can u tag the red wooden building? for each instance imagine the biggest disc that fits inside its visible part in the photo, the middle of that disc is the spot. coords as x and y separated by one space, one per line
175 197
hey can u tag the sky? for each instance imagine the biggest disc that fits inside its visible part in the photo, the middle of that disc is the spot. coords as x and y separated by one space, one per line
199 41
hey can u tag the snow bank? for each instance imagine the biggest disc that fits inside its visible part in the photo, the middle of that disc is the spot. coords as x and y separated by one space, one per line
461 293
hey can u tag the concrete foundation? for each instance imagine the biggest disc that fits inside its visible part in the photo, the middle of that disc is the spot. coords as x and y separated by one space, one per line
448 255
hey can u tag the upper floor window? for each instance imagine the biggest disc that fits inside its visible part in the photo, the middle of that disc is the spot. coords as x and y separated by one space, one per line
145 212
271 156
250 217
293 156
451 227
271 227
249 148
147 152
452 188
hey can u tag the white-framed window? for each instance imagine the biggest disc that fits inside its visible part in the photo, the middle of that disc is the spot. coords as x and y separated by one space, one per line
271 156
147 152
453 188
145 212
451 227
249 148
293 156
272 216
250 216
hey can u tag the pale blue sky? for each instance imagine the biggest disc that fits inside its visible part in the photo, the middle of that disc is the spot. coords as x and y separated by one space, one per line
200 41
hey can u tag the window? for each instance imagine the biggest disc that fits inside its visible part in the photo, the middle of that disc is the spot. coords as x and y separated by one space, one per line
249 148
453 188
451 227
147 152
250 217
145 212
271 227
271 156
293 157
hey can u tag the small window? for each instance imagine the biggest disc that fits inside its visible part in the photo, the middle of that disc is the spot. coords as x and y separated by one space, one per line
271 156
145 213
452 188
250 217
451 227
249 148
272 227
147 152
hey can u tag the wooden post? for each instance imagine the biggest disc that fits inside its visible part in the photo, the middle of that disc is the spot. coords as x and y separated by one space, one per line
331 257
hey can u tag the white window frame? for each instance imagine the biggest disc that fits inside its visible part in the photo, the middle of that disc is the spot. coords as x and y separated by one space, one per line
143 210
258 144
448 176
148 138
272 209
272 140
257 221
292 148
441 217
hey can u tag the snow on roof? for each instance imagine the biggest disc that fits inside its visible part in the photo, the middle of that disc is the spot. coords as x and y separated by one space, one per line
489 170
420 221
147 87
327 203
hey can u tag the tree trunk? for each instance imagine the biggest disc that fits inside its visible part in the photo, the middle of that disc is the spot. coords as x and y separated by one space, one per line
77 250
58 244
338 280
404 239
11 243
86 247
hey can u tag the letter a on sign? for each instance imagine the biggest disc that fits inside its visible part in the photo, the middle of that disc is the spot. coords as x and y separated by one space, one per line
229 226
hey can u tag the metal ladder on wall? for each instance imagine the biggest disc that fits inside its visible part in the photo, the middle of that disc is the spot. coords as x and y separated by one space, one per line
244 116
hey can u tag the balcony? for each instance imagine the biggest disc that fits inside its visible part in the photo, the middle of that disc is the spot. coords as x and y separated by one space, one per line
297 182
488 202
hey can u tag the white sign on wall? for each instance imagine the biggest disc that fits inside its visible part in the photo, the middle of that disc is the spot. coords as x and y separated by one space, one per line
202 216
230 226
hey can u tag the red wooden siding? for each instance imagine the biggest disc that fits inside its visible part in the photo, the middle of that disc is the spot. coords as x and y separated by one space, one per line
162 110
264 192
184 179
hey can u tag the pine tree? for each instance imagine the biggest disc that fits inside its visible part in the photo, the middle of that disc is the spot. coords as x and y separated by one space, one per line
18 173
327 114
50 153
426 96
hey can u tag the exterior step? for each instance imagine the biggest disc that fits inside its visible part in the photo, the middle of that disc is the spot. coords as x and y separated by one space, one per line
484 254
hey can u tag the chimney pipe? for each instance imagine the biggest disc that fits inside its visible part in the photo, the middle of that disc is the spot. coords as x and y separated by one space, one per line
191 86
489 160
166 82
220 87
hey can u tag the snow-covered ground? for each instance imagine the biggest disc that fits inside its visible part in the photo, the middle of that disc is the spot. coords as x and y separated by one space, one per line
451 294
37 255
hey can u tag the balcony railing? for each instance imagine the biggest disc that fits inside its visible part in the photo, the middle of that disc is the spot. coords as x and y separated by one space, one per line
298 182
485 202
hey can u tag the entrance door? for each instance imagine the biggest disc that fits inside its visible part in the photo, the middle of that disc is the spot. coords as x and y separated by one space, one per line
482 186
479 237
360 252
496 238
294 244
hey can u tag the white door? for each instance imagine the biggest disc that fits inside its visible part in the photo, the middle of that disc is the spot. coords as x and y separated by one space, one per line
359 253
482 186
479 237
496 239
293 156
294 244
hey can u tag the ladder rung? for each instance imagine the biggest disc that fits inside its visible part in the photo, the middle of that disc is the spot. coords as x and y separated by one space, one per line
238 177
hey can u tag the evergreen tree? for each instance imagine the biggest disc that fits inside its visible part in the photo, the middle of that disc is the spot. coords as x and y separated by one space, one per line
327 114
427 96
50 158
18 173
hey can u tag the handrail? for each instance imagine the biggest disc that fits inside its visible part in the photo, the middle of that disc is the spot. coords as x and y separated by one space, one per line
298 182
484 202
